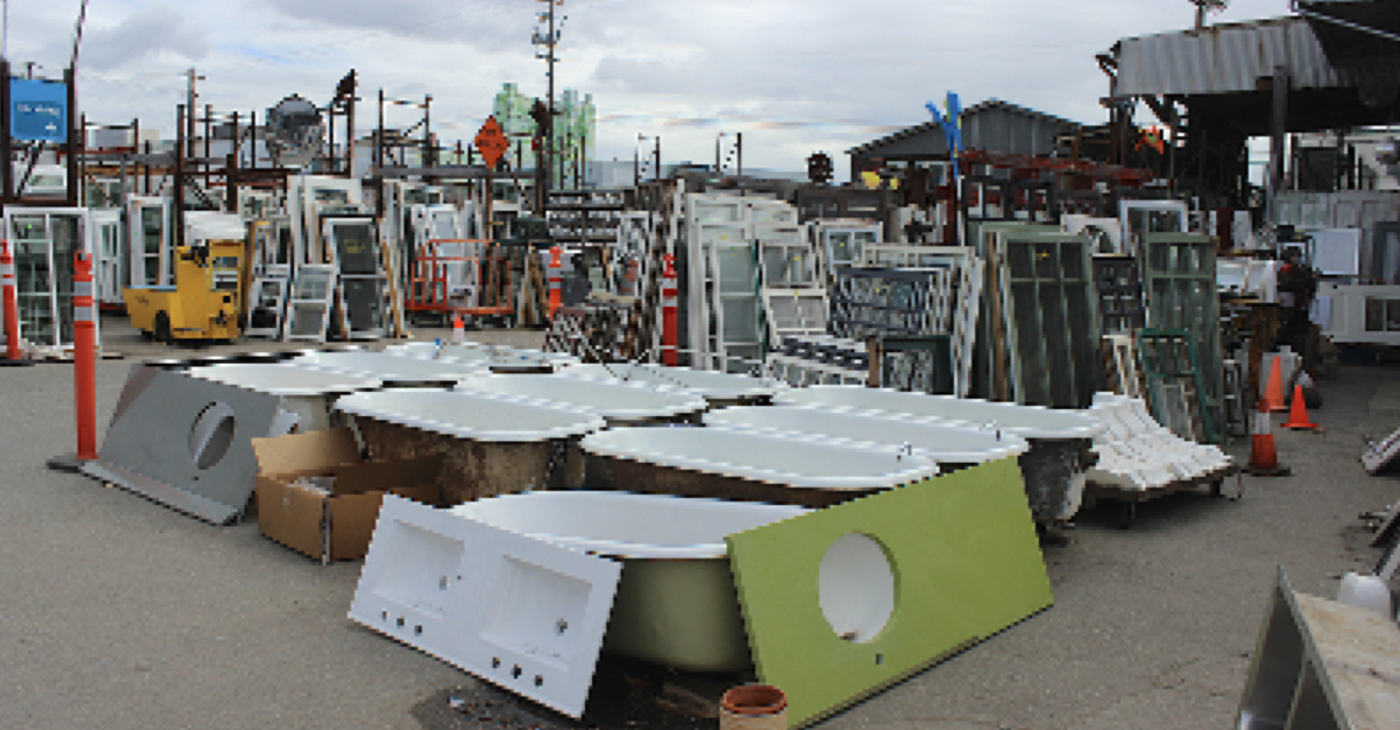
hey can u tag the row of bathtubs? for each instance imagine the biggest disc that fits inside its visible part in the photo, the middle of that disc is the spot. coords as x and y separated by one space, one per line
529 452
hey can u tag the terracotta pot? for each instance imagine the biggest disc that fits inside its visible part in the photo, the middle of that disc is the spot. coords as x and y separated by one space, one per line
753 707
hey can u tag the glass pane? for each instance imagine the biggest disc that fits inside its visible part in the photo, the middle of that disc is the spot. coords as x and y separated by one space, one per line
151 228
362 302
736 269
1019 260
740 319
308 319
1375 314
355 248
312 285
1046 261
1071 261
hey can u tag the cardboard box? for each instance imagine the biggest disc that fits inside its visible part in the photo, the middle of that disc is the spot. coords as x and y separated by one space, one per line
316 495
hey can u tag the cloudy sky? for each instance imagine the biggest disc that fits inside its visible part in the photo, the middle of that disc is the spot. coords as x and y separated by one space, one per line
795 77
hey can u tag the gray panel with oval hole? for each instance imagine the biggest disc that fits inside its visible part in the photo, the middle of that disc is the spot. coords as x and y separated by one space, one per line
186 442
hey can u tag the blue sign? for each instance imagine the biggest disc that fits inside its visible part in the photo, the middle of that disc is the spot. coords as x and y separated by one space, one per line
38 110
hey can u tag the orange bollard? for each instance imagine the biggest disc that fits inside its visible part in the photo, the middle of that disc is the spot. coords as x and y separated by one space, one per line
9 292
84 365
1298 416
556 279
1273 390
1263 453
670 321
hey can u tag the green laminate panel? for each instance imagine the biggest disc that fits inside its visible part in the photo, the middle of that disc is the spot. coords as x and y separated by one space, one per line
966 564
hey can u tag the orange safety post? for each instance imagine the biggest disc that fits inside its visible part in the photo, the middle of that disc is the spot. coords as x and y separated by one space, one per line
556 279
669 312
84 365
1273 389
9 292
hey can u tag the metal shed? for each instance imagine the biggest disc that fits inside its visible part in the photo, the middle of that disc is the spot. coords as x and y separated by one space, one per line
991 126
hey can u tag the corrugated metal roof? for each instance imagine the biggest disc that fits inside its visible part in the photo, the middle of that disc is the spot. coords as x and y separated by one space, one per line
1224 59
994 125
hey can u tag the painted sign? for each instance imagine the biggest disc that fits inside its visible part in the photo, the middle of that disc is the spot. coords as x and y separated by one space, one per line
38 110
491 141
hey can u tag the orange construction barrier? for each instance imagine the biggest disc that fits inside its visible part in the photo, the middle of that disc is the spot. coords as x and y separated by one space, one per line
13 354
1298 416
1263 453
669 313
1273 391
556 279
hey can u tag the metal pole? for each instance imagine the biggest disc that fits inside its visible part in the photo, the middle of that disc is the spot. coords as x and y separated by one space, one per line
658 157
189 107
739 153
72 193
427 134
379 159
7 179
350 127
82 159
330 140
178 193
547 145
208 140
1279 130
135 146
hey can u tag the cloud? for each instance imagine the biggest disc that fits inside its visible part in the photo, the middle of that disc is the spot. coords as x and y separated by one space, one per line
484 24
151 31
795 78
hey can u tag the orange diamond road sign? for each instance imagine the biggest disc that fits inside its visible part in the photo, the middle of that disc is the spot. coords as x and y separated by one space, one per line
491 141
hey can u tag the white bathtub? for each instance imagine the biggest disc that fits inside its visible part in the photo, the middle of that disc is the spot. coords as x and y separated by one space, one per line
1029 422
493 356
491 445
1054 469
944 443
676 603
306 392
753 466
717 388
395 371
617 402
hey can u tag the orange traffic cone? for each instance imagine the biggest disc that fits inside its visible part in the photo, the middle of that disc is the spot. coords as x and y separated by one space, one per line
459 330
1263 454
1298 417
1273 391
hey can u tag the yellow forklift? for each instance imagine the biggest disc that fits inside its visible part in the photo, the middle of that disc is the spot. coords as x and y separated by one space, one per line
207 299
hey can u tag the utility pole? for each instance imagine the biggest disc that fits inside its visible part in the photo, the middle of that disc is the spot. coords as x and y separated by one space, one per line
550 42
